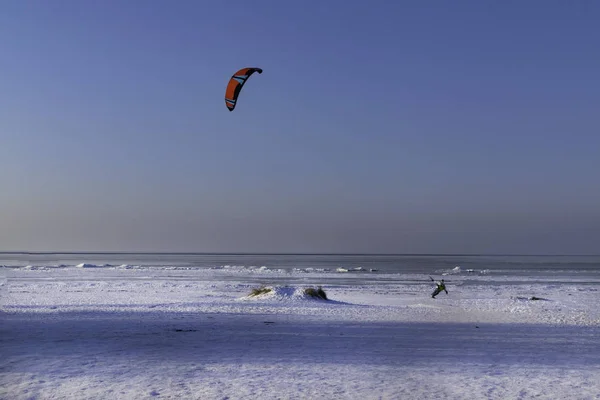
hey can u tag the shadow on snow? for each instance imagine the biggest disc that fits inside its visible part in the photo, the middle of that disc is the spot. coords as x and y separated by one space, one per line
217 338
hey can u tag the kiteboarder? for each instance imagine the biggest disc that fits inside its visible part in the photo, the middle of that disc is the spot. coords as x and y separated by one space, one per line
439 287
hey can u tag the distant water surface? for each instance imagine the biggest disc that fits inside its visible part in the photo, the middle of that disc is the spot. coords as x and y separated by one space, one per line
517 266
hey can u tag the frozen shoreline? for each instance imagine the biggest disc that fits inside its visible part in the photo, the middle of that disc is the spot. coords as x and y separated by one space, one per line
99 335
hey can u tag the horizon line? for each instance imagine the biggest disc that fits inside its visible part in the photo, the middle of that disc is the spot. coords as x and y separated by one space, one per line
108 252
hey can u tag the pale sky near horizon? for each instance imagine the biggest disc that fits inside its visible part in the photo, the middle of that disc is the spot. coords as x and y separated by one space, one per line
376 126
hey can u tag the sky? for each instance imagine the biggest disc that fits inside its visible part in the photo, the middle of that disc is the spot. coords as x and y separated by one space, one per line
376 126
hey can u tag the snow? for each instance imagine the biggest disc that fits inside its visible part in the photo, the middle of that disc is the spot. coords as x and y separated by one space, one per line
98 331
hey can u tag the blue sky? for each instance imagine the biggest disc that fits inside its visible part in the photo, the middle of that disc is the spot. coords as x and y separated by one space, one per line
380 126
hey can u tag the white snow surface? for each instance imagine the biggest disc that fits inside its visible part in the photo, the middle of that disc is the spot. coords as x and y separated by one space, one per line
128 332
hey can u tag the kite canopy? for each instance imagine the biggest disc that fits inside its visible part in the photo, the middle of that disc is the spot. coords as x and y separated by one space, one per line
235 85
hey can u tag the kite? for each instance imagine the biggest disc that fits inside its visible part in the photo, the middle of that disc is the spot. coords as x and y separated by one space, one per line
235 85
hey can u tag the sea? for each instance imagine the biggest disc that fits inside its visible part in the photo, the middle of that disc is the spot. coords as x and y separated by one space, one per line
584 268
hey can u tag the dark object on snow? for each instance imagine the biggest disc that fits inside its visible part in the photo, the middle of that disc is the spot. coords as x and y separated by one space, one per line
318 293
259 291
532 298
321 293
538 298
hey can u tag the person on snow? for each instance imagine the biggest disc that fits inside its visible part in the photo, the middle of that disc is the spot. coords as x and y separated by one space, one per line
439 287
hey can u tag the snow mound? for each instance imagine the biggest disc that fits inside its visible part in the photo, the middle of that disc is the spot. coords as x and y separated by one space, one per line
86 265
453 271
128 266
284 293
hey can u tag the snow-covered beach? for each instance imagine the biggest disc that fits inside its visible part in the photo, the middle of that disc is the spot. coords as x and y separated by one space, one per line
104 331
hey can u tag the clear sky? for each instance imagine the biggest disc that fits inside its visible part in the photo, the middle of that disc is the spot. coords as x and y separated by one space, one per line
376 126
